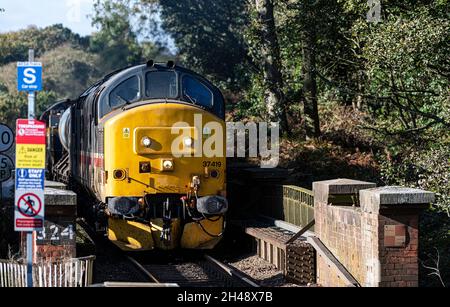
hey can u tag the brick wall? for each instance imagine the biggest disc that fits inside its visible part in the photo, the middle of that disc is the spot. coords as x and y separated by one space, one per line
374 236
339 228
57 241
399 264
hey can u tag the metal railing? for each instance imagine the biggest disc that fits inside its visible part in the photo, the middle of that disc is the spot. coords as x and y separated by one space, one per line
68 273
298 205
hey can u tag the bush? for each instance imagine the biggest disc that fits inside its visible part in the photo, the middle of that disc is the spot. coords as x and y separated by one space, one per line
428 169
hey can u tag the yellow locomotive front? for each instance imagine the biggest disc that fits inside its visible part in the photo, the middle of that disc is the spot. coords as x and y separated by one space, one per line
157 167
148 144
162 165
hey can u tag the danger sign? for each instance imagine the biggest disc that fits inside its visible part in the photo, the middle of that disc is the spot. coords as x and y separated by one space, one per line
30 175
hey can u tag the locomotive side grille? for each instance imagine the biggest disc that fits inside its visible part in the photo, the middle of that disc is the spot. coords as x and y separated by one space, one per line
100 143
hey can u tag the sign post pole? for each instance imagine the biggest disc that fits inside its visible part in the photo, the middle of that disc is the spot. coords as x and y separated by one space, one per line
30 234
30 161
31 95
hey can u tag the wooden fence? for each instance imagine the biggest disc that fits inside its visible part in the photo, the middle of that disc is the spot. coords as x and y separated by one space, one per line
69 273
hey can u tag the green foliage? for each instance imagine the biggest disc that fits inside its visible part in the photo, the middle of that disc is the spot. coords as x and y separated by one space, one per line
408 73
383 88
14 106
67 71
428 169
115 42
15 45
208 37
71 63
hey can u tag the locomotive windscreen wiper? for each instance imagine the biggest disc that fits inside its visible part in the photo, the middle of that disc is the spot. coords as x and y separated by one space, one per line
190 98
123 99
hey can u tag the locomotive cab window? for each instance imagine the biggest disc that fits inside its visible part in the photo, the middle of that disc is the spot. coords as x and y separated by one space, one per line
196 92
161 84
125 93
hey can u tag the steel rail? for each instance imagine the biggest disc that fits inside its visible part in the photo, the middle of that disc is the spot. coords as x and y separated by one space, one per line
144 270
234 273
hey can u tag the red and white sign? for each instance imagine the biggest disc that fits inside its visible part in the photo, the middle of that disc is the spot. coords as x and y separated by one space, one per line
30 132
30 159
29 210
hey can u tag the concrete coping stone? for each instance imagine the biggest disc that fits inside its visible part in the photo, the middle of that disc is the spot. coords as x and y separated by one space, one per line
55 185
372 200
395 195
342 186
323 190
57 197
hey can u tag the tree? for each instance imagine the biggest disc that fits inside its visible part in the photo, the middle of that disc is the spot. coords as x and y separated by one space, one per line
116 42
267 55
309 39
67 71
124 37
15 45
208 35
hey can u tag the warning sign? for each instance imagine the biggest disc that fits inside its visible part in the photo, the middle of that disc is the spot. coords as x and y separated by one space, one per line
30 175
29 212
30 156
30 132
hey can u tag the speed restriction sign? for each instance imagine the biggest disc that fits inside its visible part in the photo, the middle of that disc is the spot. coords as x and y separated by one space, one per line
6 168
6 138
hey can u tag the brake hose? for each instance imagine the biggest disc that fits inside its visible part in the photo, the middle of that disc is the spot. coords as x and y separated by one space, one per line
209 234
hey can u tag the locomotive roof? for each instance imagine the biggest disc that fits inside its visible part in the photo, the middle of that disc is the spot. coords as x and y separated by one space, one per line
129 70
186 80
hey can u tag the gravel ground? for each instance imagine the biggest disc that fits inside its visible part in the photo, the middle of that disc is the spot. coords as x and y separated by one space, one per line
266 274
115 268
111 264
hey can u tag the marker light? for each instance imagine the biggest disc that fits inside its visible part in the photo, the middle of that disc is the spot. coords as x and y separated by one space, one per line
168 165
119 174
188 142
146 141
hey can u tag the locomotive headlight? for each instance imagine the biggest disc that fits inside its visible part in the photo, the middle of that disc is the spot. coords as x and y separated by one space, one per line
188 142
167 165
146 141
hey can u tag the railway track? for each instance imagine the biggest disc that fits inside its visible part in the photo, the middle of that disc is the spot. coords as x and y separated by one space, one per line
206 272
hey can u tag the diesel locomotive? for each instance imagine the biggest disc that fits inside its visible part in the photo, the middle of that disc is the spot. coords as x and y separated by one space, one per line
133 145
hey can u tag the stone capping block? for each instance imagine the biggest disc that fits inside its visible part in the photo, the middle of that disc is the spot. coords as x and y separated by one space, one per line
372 199
57 197
55 185
323 189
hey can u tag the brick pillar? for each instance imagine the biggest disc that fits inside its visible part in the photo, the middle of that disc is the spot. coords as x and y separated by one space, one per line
58 239
391 235
338 226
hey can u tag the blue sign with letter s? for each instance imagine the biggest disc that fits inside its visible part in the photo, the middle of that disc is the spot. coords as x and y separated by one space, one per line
29 76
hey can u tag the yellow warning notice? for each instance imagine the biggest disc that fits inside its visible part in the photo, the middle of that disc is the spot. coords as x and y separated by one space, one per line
30 156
